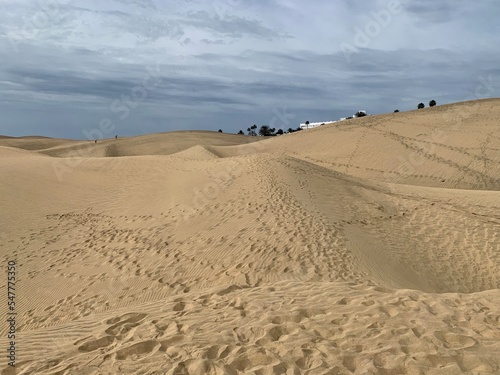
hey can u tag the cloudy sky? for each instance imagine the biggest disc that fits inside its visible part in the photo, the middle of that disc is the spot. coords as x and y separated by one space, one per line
140 66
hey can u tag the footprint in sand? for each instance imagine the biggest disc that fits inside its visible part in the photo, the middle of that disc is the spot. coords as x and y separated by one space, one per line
139 350
90 346
455 341
123 324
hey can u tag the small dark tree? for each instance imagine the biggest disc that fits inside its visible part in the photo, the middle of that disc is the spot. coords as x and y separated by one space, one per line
241 132
298 129
290 130
307 122
220 130
251 130
266 131
396 111
432 103
360 114
421 105
279 132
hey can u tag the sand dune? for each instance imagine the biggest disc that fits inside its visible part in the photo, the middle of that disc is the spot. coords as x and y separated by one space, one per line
34 143
153 144
451 146
309 253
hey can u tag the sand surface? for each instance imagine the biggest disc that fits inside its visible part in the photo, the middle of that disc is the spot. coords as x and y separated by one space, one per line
370 246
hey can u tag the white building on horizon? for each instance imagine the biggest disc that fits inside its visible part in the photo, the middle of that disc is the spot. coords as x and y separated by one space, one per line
311 125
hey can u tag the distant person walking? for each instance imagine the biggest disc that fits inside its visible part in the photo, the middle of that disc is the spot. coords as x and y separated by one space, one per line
95 141
116 137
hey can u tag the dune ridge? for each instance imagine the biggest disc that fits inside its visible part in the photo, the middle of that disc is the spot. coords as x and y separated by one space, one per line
309 253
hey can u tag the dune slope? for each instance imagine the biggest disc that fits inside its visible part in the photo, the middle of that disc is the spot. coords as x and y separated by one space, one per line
450 146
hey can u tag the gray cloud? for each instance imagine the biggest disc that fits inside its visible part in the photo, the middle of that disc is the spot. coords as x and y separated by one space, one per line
429 12
433 11
229 26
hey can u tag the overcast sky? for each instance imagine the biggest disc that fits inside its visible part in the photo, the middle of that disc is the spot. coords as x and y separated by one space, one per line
140 66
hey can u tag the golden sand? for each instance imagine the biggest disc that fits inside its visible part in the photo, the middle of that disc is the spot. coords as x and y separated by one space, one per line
370 246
